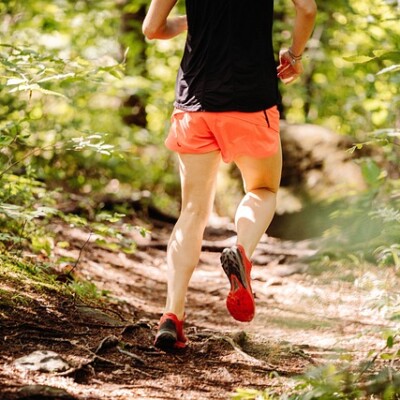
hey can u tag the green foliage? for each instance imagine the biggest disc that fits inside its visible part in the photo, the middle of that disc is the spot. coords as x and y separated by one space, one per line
330 382
67 72
25 275
345 382
369 223
62 81
62 89
338 91
23 201
252 394
87 290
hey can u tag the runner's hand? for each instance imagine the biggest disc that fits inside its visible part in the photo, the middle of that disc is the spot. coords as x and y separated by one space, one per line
289 69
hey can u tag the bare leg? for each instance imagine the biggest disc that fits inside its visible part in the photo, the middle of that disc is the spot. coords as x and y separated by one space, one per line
198 174
255 212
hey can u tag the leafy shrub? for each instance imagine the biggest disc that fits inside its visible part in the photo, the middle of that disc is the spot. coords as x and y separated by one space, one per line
345 382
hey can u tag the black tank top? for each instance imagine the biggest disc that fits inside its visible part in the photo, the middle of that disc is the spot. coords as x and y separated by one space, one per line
228 62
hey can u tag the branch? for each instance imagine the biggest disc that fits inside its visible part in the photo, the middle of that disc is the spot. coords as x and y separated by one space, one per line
32 152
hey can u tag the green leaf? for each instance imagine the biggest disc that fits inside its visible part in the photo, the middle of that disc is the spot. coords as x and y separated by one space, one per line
143 231
116 74
357 146
392 68
43 212
358 59
11 210
5 237
371 172
15 81
104 216
74 220
5 140
57 77
42 244
36 87
387 55
387 356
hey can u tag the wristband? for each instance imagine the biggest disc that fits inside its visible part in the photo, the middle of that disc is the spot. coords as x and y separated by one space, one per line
293 56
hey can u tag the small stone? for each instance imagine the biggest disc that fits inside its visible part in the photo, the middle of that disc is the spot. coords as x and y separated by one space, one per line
42 360
97 315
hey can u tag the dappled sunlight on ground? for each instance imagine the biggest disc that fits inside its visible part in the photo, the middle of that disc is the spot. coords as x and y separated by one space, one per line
303 319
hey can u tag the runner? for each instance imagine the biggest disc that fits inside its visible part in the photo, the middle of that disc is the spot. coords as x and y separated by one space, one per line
225 108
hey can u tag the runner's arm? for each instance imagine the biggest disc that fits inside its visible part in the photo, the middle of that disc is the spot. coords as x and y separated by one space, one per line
290 66
306 11
157 24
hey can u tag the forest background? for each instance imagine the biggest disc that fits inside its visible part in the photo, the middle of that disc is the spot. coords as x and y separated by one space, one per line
85 102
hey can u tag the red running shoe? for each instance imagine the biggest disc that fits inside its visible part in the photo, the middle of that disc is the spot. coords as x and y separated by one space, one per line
240 300
170 333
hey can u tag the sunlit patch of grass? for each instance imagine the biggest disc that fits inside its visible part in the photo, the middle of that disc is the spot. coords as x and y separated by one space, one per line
23 275
88 290
26 274
252 394
11 298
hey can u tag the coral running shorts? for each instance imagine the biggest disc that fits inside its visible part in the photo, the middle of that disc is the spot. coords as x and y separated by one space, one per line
234 133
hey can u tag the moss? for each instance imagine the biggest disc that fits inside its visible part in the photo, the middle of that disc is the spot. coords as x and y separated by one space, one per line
11 299
23 276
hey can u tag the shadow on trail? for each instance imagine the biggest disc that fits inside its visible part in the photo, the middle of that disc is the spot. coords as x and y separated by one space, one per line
107 343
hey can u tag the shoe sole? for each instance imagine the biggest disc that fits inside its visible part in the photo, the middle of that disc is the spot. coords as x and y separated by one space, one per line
240 300
165 340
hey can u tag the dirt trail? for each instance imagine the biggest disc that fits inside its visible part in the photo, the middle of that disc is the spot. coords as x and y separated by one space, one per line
303 318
